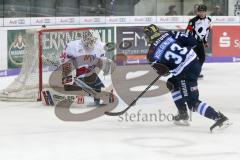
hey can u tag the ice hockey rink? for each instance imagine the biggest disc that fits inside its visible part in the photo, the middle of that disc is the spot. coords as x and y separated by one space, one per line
31 131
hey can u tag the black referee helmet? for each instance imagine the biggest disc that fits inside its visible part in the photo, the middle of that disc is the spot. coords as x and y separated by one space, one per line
202 7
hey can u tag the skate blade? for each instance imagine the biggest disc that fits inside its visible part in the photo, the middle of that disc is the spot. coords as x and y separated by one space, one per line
182 123
225 125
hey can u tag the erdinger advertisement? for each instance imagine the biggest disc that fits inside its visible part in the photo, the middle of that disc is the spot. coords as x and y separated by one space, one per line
226 41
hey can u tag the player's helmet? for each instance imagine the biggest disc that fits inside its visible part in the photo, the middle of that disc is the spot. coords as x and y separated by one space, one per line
202 7
88 39
151 33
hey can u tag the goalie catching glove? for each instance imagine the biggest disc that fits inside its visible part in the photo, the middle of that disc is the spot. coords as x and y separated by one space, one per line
107 65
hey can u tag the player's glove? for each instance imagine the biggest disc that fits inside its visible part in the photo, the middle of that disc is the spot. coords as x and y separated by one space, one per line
110 46
108 66
160 68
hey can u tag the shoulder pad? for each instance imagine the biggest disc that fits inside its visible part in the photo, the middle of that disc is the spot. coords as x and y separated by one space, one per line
194 19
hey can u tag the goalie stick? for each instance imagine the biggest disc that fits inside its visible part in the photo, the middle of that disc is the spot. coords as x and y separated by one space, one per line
133 102
85 87
99 95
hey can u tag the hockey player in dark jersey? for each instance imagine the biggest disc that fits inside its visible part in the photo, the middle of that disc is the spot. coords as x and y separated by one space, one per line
199 27
174 50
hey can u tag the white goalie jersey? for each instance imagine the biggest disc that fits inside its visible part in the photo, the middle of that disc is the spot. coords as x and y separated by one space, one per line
84 59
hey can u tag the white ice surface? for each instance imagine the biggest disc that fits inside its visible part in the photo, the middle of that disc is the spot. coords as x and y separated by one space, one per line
30 131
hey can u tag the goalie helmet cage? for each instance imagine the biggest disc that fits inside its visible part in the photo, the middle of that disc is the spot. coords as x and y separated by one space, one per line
35 70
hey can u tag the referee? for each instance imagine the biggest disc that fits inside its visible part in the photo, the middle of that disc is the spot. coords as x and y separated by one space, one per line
199 27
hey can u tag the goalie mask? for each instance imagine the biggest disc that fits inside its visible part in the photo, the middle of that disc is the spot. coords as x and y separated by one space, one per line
151 33
88 40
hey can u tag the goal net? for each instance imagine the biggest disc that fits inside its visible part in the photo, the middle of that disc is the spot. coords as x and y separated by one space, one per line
42 52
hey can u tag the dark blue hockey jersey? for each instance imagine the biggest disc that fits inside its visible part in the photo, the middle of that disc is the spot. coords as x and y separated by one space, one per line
174 50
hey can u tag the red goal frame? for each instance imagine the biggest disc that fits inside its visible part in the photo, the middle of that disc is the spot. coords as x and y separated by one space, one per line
40 47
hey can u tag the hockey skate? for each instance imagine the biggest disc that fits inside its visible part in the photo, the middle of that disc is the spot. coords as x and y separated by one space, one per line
181 119
221 122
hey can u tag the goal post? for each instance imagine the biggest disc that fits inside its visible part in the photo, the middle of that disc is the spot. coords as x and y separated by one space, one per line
35 70
63 36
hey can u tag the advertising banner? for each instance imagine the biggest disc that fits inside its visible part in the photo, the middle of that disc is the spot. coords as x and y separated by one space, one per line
225 19
16 47
67 20
36 21
226 41
92 20
132 43
117 19
143 19
16 22
53 43
170 19
1 22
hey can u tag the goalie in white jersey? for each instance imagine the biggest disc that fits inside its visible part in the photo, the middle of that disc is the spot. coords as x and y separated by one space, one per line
86 54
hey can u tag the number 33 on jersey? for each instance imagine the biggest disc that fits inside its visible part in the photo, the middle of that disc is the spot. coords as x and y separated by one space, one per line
174 50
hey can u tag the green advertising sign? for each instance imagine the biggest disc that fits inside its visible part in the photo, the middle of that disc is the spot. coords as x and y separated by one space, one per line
16 47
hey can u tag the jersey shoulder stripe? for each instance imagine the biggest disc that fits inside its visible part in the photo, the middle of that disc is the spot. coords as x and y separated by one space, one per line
209 19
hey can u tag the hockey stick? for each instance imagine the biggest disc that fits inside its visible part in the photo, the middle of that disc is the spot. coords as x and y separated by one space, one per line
99 95
133 102
85 87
